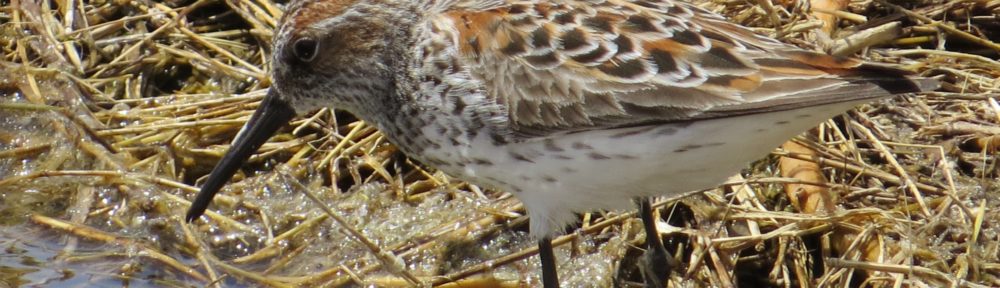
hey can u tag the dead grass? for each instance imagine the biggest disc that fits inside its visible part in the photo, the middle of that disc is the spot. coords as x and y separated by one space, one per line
113 111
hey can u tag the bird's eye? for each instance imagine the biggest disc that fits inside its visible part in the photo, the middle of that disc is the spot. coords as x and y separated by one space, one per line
305 49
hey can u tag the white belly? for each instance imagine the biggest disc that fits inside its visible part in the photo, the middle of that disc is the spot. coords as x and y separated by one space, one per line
607 169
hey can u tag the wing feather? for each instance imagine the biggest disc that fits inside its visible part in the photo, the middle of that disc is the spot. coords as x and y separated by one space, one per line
568 66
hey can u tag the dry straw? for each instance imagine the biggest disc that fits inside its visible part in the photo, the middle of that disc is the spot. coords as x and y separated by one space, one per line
113 111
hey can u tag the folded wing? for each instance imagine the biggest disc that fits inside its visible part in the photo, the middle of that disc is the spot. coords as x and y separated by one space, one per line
561 67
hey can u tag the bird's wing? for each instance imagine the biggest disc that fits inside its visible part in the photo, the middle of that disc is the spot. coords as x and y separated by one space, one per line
567 66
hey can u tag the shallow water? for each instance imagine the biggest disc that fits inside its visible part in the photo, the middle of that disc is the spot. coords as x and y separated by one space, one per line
436 232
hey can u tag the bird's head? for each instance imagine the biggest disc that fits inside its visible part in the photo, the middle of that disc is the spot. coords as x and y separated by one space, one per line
338 52
326 53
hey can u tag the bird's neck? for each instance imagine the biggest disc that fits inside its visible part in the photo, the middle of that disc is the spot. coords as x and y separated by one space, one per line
432 92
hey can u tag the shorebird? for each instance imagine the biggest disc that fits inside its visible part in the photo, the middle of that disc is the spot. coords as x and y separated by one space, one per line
570 105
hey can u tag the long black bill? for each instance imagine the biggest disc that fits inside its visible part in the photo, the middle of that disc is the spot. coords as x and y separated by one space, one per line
271 115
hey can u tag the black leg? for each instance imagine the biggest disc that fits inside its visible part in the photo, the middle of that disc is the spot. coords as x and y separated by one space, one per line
657 261
549 277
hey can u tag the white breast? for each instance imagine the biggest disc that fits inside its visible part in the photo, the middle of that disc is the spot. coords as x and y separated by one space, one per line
606 169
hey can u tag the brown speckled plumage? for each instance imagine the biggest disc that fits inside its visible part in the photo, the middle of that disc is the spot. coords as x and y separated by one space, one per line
570 105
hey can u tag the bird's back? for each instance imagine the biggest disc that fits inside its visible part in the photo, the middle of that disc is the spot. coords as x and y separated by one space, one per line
567 66
598 102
